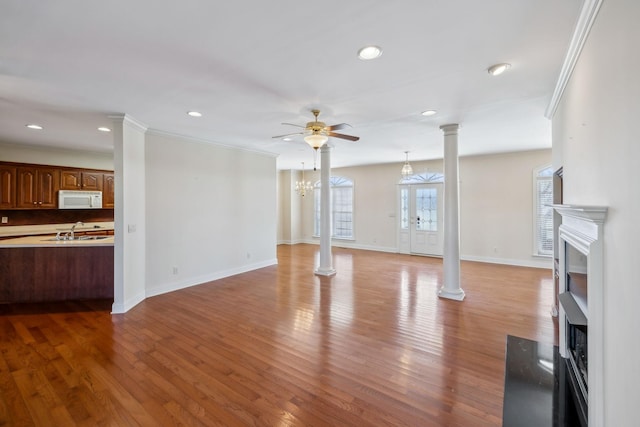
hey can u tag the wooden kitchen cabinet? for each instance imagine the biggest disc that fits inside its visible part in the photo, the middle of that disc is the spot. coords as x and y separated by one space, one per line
81 180
7 187
33 186
37 274
108 191
36 187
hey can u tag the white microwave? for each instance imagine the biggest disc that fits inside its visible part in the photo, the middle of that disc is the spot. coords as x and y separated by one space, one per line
78 199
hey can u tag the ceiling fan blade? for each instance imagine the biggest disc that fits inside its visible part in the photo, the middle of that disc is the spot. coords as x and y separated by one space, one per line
338 126
288 134
293 124
343 136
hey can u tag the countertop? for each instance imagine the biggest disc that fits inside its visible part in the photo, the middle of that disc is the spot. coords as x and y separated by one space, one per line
44 241
33 230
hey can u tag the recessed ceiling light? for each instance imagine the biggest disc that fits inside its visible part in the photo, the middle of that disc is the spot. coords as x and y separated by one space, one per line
286 139
428 113
104 129
34 126
194 113
497 69
370 52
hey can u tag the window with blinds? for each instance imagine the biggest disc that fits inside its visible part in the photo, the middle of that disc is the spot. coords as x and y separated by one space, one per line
543 215
341 208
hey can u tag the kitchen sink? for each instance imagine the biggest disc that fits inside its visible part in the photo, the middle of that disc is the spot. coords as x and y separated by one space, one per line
53 239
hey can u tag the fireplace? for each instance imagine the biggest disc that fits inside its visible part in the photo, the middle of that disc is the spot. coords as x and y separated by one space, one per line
580 318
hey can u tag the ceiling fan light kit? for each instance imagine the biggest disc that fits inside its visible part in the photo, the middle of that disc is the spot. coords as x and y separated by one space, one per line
316 140
317 133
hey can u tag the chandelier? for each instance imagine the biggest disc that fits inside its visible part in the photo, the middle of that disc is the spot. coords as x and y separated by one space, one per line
407 170
303 186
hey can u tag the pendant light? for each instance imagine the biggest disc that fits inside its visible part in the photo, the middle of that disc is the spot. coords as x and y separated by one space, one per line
407 170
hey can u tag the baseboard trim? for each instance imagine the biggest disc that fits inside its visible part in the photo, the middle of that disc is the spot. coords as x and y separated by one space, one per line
123 307
199 280
533 263
543 263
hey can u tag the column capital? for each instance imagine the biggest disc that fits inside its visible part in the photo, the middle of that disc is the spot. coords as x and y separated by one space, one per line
450 129
325 148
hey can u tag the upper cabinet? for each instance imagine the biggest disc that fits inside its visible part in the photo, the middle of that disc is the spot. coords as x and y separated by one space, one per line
7 187
81 180
36 187
108 191
28 186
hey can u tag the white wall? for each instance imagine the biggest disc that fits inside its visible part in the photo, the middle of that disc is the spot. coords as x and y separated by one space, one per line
22 153
595 139
496 206
290 207
129 214
211 212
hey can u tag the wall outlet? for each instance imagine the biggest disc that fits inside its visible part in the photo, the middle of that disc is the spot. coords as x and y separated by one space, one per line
175 270
5 220
131 228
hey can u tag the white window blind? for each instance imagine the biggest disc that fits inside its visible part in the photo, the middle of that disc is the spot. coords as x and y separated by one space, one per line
543 214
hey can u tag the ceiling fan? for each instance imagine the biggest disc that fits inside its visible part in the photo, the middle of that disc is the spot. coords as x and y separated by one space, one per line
317 133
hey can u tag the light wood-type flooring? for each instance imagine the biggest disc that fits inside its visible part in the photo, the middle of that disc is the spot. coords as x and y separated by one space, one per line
279 346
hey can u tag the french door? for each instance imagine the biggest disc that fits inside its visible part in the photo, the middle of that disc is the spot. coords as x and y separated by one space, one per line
421 212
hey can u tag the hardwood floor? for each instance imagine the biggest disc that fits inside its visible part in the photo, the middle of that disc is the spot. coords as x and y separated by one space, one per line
372 346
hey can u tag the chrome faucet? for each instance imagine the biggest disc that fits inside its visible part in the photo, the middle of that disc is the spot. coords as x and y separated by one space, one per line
73 227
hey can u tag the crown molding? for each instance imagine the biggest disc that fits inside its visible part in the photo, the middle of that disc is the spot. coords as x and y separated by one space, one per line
194 139
587 16
127 118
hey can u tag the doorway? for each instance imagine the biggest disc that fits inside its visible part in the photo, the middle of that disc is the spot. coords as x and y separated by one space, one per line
421 215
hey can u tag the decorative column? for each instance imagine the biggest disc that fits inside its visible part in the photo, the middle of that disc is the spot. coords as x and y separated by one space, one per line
451 256
326 260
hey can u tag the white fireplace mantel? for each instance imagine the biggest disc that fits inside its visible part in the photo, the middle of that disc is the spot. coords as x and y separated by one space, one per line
582 227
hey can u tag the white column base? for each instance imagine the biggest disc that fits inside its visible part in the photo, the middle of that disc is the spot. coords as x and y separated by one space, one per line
457 295
325 272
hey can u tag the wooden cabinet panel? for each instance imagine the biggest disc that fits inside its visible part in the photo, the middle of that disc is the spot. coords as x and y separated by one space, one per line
80 180
26 190
92 181
108 191
55 274
70 179
36 188
47 188
7 187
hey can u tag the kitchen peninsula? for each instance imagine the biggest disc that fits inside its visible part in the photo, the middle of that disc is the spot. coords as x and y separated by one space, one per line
39 268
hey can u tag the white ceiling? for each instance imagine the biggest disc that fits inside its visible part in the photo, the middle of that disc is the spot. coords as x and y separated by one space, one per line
250 65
